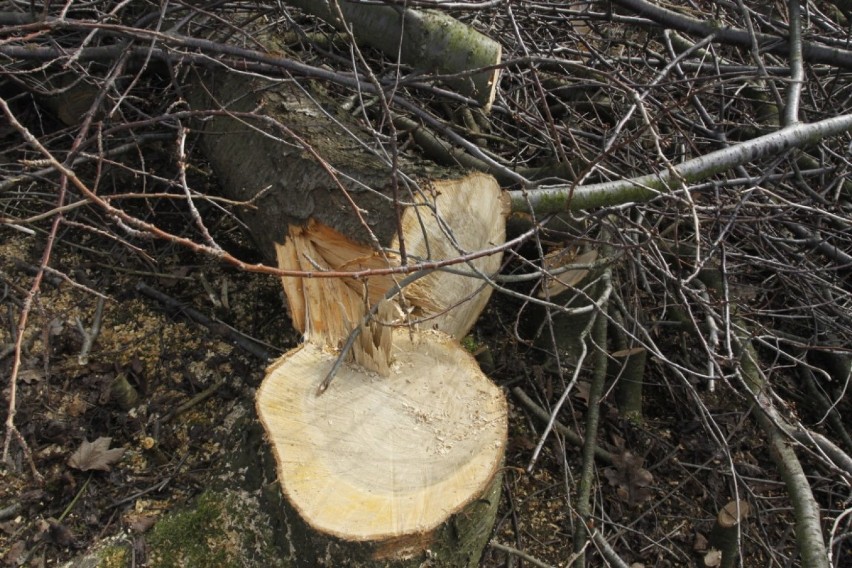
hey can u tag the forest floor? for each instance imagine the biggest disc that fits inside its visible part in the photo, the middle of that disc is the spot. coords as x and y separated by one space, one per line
167 391
135 378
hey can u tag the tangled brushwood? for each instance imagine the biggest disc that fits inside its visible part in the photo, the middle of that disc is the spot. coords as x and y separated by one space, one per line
671 320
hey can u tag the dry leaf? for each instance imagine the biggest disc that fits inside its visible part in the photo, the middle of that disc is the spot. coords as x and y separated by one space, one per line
140 523
631 480
77 406
60 534
582 391
30 376
627 352
95 455
15 553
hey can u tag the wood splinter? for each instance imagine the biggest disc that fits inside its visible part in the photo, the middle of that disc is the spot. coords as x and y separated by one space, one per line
370 342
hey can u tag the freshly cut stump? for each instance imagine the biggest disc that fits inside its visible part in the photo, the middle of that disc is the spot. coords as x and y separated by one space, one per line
388 470
397 463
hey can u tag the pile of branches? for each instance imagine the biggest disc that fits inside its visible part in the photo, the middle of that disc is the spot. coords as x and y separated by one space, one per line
690 165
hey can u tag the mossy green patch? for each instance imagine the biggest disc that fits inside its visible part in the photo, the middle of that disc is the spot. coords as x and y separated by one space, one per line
470 343
116 556
222 530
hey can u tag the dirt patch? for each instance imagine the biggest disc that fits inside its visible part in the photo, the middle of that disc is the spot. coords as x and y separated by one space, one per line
192 393
163 388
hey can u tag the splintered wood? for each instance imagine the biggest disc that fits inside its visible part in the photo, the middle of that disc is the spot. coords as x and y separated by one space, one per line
449 219
326 310
410 436
373 348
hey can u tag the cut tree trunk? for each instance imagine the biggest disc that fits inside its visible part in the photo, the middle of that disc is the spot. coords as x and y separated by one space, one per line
398 462
389 470
321 199
725 537
455 216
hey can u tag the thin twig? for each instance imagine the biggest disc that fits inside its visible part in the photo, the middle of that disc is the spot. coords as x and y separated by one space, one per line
593 417
522 555
599 307
91 334
194 401
563 430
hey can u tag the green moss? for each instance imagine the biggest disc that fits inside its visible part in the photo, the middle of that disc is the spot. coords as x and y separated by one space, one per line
470 343
222 530
114 557
194 537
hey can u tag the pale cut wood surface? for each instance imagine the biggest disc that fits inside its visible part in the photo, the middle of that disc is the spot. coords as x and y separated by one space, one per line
376 457
447 219
464 216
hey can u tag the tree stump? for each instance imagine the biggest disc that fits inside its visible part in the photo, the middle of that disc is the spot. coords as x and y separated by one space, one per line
389 470
724 538
398 462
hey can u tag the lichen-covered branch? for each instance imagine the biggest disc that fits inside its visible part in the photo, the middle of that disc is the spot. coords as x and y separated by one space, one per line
566 197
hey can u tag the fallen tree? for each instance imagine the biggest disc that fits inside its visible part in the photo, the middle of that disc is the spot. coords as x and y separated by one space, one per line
398 461
428 40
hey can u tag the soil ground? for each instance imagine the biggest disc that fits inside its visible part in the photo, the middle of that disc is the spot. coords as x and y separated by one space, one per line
169 392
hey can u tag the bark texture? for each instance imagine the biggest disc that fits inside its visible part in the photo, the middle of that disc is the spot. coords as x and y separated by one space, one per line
429 40
306 159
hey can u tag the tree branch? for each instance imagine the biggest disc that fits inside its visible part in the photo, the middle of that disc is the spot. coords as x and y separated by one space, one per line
769 43
565 197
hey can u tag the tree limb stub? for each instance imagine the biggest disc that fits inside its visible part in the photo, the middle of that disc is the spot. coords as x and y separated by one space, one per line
428 40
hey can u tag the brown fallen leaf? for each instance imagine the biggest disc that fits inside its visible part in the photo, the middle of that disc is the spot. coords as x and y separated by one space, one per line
631 481
95 455
582 391
30 376
713 558
139 523
60 534
15 553
621 354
